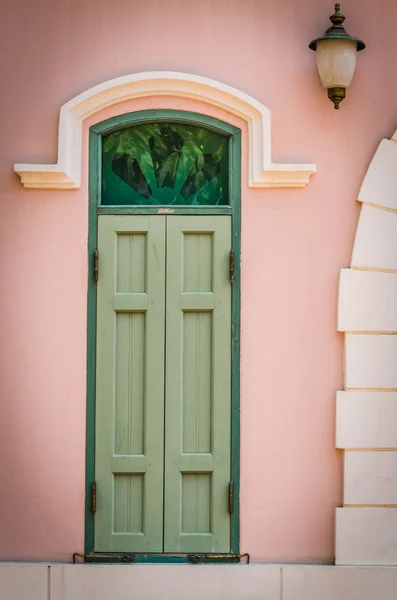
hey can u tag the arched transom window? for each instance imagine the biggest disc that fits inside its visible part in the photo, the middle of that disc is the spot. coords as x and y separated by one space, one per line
165 163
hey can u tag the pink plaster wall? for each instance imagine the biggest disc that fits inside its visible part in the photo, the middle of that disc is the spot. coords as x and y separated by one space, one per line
294 244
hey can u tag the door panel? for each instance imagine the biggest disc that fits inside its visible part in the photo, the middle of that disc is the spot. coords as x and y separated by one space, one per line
164 297
130 384
198 384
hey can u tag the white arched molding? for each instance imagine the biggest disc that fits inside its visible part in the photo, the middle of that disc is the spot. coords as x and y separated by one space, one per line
66 173
366 421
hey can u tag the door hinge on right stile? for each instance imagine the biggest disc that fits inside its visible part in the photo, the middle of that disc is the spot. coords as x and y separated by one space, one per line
96 266
231 497
231 266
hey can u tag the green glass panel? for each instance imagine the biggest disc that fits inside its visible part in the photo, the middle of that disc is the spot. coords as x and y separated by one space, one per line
165 163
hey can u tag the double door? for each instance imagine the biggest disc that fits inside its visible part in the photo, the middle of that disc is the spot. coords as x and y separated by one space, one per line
163 384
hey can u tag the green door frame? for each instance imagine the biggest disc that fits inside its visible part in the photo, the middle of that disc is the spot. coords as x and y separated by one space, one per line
95 209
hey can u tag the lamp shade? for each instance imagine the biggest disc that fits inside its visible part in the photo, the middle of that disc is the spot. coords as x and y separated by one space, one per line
336 62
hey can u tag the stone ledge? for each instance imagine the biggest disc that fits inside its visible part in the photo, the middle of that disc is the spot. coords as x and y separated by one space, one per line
339 583
20 581
53 581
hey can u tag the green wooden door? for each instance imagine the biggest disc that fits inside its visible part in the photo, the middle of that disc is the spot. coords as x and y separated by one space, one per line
198 379
163 384
130 384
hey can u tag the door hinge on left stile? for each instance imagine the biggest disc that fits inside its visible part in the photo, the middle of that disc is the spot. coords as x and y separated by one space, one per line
230 497
96 265
93 497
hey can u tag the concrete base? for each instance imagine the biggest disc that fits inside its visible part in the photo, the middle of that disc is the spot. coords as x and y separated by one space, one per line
19 581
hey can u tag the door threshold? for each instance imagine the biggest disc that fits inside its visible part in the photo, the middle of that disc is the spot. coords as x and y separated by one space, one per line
128 558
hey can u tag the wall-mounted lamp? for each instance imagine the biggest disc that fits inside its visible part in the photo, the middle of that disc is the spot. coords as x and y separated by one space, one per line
336 57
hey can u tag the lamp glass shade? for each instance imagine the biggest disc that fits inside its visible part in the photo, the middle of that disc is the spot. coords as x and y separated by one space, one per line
336 62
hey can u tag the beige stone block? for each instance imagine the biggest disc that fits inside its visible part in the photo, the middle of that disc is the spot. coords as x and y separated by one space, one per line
370 477
366 536
303 582
367 301
380 183
366 420
375 244
165 582
20 582
370 361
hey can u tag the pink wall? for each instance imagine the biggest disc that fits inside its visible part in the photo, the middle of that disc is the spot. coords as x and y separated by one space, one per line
294 244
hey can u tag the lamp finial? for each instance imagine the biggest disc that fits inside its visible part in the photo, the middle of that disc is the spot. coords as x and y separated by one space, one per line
337 18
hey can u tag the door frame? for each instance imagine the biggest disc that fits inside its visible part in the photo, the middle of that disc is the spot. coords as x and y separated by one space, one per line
94 209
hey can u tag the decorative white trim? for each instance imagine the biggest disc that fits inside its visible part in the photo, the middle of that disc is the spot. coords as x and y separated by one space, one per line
66 173
365 527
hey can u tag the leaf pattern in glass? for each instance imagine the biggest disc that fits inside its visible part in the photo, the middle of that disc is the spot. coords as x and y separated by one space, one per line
165 163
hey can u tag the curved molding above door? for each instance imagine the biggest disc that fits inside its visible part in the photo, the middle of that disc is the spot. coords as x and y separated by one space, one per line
66 173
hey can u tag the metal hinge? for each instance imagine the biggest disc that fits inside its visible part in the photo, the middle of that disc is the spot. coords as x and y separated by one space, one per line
231 266
208 558
230 497
96 265
93 497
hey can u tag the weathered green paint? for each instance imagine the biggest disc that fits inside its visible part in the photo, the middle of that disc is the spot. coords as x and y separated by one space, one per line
175 116
94 210
235 201
156 210
161 558
198 380
93 200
